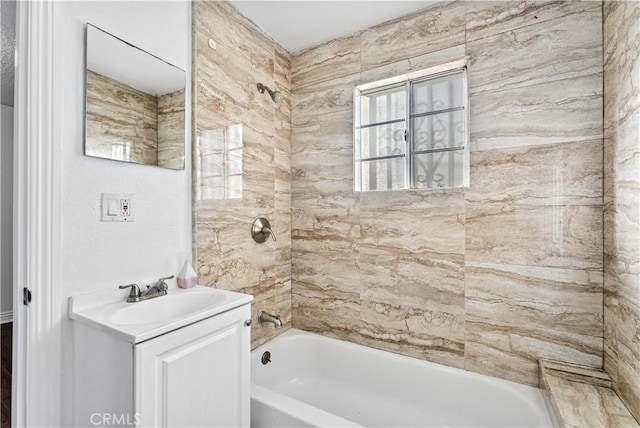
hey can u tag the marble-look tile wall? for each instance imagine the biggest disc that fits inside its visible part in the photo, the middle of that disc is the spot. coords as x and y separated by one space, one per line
225 94
120 114
171 130
622 199
488 278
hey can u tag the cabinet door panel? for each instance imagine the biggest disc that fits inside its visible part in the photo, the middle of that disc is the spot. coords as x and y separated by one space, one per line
197 376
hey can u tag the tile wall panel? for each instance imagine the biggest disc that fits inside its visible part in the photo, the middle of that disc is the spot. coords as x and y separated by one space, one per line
411 64
525 313
489 278
545 236
337 58
322 121
622 199
557 49
225 95
435 28
547 113
553 174
412 248
488 18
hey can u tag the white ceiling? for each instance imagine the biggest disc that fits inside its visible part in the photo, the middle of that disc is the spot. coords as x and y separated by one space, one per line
301 24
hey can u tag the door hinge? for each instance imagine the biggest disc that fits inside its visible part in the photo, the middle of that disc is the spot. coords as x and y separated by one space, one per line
26 296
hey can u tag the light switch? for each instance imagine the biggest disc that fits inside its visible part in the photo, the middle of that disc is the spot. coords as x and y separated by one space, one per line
112 207
117 207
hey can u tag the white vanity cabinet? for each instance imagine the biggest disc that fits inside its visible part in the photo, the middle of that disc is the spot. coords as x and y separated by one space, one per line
189 371
197 376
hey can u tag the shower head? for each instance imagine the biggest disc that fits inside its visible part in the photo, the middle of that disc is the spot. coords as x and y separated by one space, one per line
275 95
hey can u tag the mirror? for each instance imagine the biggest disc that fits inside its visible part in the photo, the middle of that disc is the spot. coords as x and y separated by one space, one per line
135 104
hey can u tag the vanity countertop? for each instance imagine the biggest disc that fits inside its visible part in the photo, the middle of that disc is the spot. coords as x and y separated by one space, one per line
140 321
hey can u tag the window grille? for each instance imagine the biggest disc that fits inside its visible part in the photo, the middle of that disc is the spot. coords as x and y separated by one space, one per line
411 131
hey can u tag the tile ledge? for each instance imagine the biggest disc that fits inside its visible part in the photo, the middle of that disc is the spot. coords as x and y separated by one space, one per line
571 390
576 373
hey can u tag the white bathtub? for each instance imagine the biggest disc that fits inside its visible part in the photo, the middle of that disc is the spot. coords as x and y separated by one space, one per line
315 381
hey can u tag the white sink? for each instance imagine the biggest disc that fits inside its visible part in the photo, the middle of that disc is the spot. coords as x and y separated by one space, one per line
163 308
140 321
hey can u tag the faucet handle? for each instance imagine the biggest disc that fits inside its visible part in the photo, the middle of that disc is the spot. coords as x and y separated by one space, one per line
134 295
162 285
261 229
268 230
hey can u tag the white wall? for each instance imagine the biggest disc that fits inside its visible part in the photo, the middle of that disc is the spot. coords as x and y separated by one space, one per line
6 210
97 255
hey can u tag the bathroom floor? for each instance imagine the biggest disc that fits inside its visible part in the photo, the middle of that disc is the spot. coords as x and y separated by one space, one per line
5 367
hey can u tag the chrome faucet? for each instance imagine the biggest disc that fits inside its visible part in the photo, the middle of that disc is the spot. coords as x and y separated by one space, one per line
265 317
156 290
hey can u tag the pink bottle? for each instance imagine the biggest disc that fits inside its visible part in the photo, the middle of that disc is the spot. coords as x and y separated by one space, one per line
187 277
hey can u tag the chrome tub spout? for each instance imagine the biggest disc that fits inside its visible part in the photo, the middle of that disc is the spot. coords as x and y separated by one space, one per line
265 317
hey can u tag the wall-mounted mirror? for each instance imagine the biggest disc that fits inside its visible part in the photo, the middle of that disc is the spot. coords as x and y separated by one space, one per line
135 104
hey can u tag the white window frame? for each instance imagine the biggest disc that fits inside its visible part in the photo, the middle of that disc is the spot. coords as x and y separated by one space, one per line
407 80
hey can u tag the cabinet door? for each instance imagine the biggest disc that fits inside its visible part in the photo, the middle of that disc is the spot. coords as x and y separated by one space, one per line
197 376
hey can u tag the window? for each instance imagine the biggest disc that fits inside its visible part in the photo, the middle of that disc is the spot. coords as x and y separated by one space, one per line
411 131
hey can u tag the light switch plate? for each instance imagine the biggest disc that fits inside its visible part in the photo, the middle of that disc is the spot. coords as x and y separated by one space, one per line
117 207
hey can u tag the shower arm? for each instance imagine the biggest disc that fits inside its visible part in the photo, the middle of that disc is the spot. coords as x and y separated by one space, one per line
275 95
